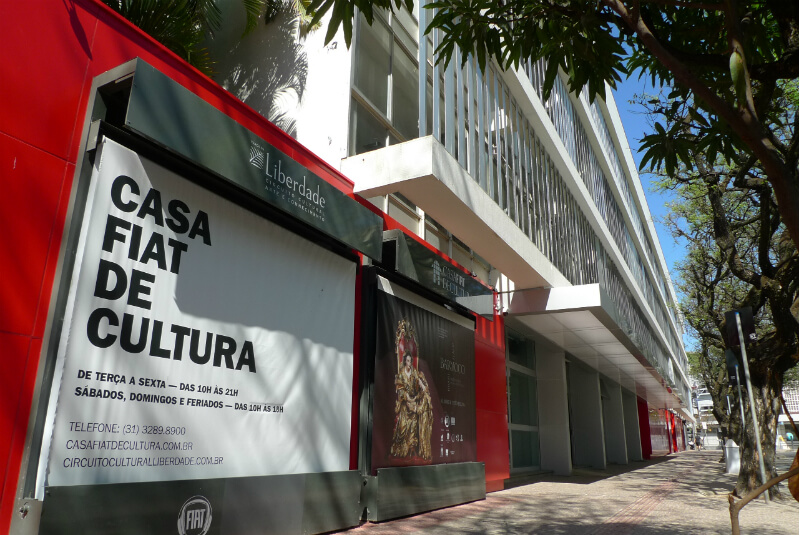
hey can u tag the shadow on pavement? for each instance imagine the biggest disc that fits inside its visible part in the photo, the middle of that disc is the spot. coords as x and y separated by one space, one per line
683 493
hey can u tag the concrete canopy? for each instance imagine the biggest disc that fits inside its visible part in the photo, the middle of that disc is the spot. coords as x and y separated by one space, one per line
426 174
577 320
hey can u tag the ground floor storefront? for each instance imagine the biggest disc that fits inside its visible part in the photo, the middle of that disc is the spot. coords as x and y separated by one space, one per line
206 326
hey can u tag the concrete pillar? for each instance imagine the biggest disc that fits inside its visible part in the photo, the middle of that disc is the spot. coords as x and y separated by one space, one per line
588 446
551 382
614 423
631 415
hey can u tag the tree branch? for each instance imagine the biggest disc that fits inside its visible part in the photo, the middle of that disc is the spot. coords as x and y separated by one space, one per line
745 124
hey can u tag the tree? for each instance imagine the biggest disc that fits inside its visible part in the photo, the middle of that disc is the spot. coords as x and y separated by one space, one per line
183 25
727 56
709 366
739 255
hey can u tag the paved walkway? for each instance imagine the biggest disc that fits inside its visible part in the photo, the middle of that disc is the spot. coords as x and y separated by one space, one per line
684 493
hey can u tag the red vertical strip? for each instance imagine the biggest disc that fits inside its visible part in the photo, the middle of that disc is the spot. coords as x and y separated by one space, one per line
644 428
355 418
491 408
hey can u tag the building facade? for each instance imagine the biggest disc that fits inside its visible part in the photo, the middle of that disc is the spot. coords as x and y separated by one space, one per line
421 280
540 199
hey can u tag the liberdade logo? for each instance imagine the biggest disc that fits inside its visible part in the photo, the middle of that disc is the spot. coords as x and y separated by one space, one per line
195 516
276 176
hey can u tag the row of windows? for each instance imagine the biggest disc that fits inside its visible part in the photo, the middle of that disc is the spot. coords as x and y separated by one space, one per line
565 119
572 132
605 139
523 406
477 121
415 220
629 318
385 103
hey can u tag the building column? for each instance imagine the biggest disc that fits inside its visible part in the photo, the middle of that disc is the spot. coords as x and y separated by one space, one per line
614 423
631 415
551 383
586 416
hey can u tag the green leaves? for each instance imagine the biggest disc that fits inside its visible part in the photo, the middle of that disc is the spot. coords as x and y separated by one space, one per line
343 14
685 134
571 35
252 9
180 25
183 25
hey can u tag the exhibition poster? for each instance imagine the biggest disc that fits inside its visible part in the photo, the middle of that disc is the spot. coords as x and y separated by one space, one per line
199 339
424 390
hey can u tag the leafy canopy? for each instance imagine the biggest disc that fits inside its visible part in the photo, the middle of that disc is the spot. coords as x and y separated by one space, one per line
183 25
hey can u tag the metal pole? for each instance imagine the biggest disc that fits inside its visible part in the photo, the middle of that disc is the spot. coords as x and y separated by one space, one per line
752 406
741 399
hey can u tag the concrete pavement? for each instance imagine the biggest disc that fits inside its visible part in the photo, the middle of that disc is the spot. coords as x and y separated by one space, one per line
684 493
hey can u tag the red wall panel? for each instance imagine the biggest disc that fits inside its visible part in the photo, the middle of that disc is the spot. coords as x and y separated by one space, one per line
490 378
48 277
32 183
644 428
492 332
46 51
18 363
492 431
491 400
15 358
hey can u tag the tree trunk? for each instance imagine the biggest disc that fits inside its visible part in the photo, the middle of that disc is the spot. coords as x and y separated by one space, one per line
767 388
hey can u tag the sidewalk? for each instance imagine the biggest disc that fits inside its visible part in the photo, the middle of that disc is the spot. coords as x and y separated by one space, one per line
683 493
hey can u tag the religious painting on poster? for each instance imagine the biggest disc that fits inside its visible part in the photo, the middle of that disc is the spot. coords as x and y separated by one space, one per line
424 401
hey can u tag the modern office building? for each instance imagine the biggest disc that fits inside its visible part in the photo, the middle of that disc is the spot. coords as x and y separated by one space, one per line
422 284
540 199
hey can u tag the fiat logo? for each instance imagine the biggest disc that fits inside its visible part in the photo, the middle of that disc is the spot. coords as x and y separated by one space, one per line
195 516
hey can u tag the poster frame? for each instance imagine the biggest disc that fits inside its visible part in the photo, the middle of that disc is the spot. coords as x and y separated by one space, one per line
343 495
75 216
371 280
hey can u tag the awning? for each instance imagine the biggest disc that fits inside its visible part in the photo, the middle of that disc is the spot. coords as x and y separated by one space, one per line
578 319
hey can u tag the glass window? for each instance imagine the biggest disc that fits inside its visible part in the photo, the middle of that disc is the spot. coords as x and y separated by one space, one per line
481 269
436 239
405 200
379 202
373 62
404 36
524 449
386 83
429 93
519 352
522 406
367 131
461 255
404 215
405 97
